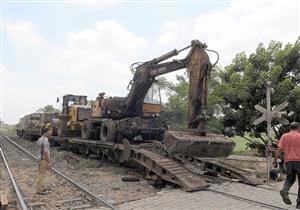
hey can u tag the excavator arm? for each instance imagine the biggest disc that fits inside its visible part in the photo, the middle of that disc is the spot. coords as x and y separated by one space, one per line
198 65
122 118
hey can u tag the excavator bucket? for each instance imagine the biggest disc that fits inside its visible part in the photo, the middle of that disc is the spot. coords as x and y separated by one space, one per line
194 145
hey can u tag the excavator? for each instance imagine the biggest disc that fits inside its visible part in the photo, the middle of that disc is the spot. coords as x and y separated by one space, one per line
138 114
130 130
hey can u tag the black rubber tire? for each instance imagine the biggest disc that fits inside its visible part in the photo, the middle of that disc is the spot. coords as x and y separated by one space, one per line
108 131
62 129
86 130
59 129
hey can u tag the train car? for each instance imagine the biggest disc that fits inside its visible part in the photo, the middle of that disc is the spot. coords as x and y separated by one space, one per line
21 126
30 126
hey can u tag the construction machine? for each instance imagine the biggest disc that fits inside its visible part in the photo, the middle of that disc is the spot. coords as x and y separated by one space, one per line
129 129
75 110
137 115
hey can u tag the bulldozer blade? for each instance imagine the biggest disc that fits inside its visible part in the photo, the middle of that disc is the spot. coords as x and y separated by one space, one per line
194 145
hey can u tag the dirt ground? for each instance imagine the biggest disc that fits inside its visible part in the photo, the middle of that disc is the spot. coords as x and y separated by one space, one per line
103 179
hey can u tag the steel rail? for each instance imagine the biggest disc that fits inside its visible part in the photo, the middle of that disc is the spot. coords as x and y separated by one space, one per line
215 191
272 189
12 179
247 200
258 186
97 198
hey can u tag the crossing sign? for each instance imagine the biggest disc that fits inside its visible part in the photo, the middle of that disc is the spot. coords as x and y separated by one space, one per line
275 113
268 115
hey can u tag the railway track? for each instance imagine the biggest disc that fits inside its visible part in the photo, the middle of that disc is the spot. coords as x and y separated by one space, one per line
8 186
65 193
241 198
237 196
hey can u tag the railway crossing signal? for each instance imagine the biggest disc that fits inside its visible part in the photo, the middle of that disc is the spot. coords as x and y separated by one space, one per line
268 115
275 113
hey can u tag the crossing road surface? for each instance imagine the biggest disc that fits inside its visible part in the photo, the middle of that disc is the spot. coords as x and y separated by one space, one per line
214 199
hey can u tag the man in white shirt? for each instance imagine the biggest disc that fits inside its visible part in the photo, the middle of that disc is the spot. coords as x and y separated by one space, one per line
43 160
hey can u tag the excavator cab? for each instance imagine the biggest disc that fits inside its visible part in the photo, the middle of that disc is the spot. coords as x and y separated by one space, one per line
152 102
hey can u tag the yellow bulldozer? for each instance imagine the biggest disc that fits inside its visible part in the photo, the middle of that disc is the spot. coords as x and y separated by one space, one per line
75 110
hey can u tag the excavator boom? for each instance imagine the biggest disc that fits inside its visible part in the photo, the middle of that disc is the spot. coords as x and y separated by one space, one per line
135 118
195 141
198 65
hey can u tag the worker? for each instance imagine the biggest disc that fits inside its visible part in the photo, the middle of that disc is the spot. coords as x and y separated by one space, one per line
290 145
44 162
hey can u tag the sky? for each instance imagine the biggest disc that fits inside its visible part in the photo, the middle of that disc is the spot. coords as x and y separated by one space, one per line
51 48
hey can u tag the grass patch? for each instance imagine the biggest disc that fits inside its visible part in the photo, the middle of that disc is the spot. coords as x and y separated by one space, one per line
240 144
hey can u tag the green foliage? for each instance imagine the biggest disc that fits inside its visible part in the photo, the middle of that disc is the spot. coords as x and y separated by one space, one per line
240 144
242 86
48 109
175 110
234 91
257 146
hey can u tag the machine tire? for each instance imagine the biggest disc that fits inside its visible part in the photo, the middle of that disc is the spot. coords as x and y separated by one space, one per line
86 130
108 131
59 128
62 128
54 126
61 131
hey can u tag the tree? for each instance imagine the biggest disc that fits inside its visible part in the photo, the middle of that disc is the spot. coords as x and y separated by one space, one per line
234 91
243 85
175 110
48 109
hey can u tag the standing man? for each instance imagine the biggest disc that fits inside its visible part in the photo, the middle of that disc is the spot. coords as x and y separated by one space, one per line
43 160
289 144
